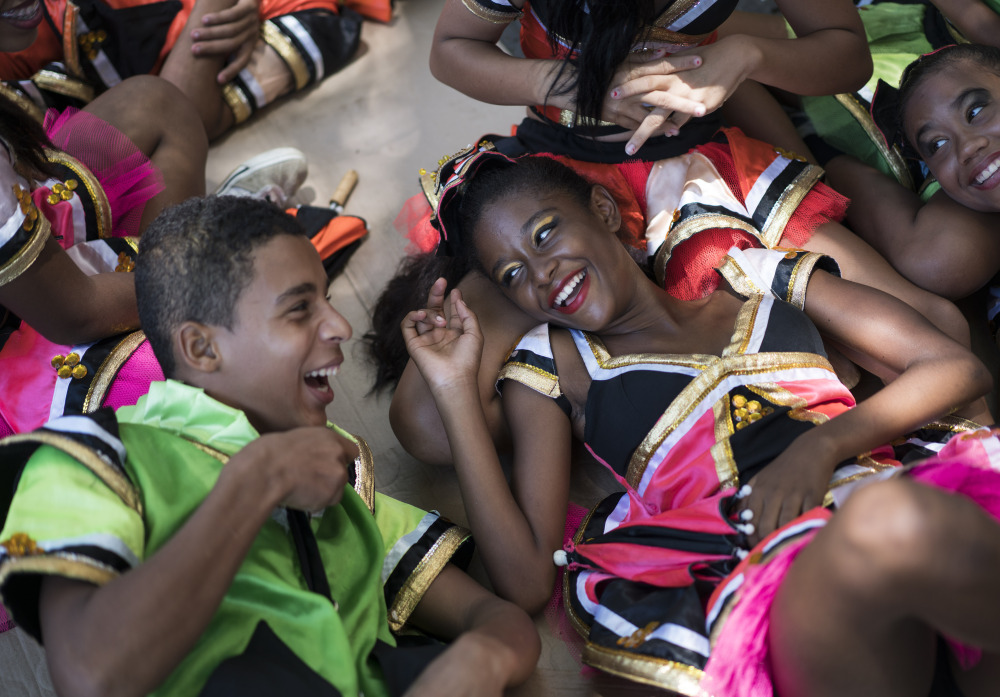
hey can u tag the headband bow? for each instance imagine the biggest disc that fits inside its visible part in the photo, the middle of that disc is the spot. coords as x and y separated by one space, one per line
444 189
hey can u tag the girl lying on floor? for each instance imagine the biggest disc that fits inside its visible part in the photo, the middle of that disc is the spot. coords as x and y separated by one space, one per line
722 567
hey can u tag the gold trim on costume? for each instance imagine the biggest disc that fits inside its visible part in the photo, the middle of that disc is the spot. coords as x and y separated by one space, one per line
682 41
102 208
132 242
63 84
674 12
72 566
274 38
689 227
530 376
605 360
699 387
738 279
889 153
722 450
658 672
33 110
746 319
569 118
364 473
237 102
493 16
798 282
112 478
26 255
784 209
778 395
425 573
108 370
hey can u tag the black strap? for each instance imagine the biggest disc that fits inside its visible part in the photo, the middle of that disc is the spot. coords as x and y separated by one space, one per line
308 553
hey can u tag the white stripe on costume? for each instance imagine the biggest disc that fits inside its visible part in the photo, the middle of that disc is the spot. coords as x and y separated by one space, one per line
404 544
305 38
59 393
618 515
764 182
255 89
83 425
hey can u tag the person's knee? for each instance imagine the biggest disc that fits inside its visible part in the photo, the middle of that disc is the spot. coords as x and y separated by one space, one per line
884 536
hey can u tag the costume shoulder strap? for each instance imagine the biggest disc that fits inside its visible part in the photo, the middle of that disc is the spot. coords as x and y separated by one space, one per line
532 364
90 439
781 274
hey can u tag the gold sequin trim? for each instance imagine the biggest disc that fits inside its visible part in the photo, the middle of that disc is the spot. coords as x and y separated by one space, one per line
890 154
722 450
425 573
364 473
95 191
112 477
788 202
108 370
490 15
658 672
537 379
569 118
274 38
237 102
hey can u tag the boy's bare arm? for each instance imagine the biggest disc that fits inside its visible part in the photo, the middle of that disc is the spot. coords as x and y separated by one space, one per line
495 642
125 638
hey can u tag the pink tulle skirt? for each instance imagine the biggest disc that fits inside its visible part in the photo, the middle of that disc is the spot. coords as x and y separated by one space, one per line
127 176
740 666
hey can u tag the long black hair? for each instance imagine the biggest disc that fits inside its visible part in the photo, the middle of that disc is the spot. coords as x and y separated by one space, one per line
595 55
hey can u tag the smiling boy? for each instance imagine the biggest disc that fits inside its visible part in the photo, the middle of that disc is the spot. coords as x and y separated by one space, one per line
171 551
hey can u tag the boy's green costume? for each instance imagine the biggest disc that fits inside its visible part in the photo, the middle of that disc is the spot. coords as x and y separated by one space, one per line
96 495
898 34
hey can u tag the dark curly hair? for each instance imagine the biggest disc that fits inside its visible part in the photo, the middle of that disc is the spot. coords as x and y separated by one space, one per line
917 72
195 260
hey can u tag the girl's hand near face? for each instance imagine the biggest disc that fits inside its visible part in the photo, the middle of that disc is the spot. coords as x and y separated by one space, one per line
446 346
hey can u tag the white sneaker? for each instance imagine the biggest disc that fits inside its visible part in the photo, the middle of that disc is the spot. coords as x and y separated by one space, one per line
274 175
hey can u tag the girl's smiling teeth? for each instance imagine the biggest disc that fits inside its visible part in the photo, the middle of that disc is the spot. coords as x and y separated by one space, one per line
320 379
988 171
569 287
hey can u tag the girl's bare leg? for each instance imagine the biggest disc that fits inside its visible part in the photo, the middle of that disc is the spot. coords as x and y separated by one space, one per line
165 126
860 609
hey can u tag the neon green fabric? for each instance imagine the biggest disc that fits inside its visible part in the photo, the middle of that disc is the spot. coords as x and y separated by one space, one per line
58 500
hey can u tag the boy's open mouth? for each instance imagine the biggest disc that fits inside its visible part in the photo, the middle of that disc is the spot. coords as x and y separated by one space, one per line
320 379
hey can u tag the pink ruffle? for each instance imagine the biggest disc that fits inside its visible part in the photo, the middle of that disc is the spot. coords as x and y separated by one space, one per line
5 621
127 176
739 665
